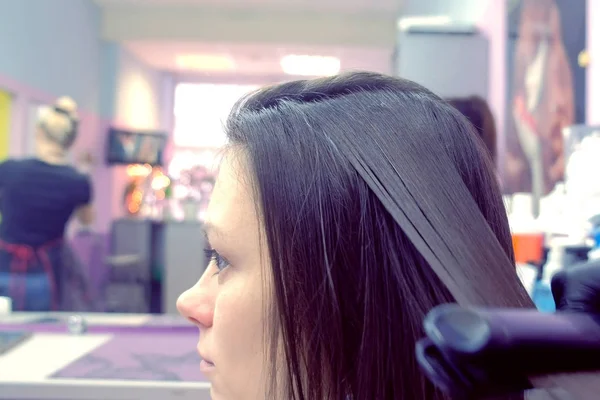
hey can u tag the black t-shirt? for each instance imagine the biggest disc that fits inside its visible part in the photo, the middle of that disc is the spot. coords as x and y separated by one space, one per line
37 199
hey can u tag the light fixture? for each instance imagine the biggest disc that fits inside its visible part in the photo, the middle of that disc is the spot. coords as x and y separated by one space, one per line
138 170
205 62
307 65
428 20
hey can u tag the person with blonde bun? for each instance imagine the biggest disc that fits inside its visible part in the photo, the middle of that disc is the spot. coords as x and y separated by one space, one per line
39 196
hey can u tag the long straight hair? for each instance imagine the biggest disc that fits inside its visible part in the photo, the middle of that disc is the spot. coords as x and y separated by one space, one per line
378 203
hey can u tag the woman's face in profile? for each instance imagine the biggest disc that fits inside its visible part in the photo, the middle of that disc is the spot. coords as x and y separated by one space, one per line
228 302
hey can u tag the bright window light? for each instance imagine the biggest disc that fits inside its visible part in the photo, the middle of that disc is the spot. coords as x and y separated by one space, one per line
200 110
205 62
303 65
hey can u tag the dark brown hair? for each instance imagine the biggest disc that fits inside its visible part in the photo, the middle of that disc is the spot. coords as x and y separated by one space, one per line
378 203
478 112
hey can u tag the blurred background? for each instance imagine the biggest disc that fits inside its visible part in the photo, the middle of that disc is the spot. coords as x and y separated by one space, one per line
155 79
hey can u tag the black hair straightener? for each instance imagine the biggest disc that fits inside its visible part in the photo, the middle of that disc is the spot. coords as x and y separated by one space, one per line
478 353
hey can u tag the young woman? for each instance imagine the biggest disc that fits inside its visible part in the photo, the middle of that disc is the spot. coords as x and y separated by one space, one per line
344 210
38 197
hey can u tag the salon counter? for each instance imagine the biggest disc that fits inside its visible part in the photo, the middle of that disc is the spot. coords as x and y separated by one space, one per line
114 321
117 357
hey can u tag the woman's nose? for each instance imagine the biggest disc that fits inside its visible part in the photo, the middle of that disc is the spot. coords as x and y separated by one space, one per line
197 304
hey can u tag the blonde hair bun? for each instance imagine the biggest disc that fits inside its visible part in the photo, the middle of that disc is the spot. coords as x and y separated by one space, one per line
68 104
60 120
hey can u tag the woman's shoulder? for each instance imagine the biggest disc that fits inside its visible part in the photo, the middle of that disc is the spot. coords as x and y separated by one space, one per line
36 168
8 162
9 167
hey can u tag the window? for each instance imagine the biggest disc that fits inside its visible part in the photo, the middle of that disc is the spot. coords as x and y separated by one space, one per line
200 111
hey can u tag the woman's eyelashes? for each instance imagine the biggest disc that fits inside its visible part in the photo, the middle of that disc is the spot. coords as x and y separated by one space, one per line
220 262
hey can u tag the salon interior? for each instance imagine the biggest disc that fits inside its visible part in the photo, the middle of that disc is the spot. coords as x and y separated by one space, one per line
154 81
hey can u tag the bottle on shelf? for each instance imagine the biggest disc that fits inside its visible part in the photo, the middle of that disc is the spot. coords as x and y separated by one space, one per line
542 293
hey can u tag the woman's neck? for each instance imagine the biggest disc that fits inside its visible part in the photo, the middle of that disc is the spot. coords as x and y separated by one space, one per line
51 154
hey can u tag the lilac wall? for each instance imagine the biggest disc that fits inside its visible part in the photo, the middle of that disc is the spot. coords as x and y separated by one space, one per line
493 26
593 70
140 100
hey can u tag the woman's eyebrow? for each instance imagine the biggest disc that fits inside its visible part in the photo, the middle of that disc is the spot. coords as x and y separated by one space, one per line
211 228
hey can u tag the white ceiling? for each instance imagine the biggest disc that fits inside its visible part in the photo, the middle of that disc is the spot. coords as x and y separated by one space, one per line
252 56
339 5
257 60
263 58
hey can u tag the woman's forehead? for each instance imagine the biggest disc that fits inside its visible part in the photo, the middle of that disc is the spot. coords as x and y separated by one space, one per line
232 206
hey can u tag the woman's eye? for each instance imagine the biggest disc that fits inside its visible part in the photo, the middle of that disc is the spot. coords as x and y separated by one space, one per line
215 257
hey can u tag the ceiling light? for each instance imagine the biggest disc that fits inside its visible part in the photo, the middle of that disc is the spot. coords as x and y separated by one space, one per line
304 65
205 62
430 20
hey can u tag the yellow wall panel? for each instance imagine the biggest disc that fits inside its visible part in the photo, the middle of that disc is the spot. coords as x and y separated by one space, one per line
5 113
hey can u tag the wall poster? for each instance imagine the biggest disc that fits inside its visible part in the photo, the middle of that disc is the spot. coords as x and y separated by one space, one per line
545 90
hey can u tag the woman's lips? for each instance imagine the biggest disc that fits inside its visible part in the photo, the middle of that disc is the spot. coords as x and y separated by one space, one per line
206 366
